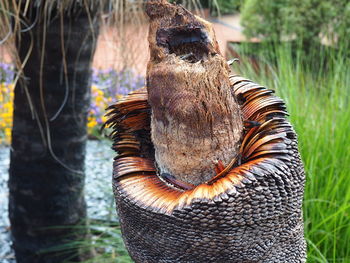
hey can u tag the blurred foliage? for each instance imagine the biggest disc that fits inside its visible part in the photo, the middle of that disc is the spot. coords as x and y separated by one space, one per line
309 20
6 105
316 92
217 7
224 7
260 56
6 112
107 87
340 14
262 18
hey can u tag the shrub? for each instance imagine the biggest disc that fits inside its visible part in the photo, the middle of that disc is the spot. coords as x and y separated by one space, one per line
216 7
223 7
107 87
289 19
340 18
6 106
307 19
262 18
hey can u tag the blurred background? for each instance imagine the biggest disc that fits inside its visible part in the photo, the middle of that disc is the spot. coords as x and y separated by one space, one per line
300 49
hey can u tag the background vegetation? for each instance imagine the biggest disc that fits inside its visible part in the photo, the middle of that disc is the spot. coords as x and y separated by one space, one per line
6 102
216 7
318 102
309 20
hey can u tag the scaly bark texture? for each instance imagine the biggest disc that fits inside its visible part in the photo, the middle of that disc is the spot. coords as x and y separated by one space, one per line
46 204
184 208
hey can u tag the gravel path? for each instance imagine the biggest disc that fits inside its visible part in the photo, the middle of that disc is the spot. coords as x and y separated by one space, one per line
99 196
6 253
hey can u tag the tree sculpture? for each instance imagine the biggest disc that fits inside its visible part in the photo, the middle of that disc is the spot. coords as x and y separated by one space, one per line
208 168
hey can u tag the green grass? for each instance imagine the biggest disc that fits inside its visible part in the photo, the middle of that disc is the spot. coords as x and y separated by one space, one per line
316 89
103 244
108 245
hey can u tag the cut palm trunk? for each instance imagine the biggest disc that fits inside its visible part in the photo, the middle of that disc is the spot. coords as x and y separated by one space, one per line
208 168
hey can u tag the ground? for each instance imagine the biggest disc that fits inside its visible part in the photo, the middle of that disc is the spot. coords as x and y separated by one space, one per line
99 194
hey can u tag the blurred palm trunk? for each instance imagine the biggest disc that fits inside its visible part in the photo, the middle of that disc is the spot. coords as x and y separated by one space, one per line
47 206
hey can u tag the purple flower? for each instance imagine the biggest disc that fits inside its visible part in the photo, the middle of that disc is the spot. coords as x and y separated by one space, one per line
99 120
6 73
95 78
112 83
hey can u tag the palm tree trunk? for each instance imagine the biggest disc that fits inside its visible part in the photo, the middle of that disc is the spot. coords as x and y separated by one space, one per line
47 206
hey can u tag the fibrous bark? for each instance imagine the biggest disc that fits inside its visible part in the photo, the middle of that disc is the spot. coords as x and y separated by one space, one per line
196 120
46 205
